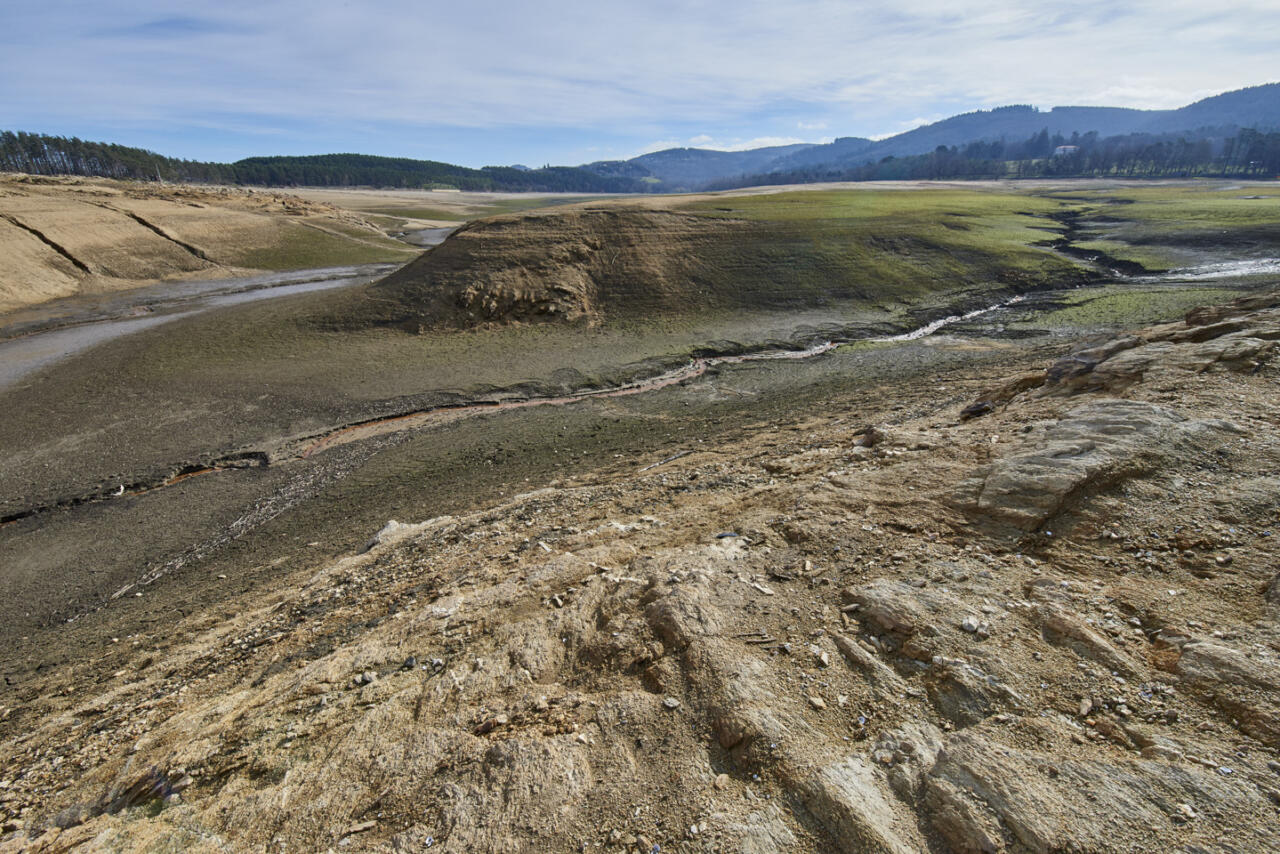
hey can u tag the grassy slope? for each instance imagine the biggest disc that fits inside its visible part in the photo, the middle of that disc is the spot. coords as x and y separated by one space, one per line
907 243
893 246
900 245
298 247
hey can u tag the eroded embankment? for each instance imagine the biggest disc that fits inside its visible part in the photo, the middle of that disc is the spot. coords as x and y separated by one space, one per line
61 237
593 266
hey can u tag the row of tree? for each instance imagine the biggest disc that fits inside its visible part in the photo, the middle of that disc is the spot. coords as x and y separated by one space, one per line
1247 153
39 154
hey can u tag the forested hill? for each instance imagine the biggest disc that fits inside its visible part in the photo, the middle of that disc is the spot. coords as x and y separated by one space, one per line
39 154
1247 154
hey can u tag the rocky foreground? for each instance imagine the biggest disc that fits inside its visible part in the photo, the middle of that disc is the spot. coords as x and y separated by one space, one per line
1048 623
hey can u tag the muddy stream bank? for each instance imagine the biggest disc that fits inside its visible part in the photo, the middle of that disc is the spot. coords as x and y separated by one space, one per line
38 337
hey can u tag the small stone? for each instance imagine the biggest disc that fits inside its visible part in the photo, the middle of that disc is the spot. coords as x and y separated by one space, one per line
360 828
671 703
491 724
820 655
817 702
1223 560
969 624
1086 706
722 781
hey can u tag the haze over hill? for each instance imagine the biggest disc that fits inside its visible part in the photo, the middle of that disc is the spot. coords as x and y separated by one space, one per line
1220 115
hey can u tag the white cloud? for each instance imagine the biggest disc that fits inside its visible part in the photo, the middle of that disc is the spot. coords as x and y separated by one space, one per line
709 142
754 142
655 70
909 124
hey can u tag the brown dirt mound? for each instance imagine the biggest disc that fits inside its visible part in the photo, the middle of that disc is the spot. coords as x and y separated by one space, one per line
573 266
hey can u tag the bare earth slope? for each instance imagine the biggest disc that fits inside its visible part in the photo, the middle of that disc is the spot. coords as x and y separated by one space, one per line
674 257
875 627
65 236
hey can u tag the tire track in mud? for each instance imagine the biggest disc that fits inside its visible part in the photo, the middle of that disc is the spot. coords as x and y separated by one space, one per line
443 414
308 447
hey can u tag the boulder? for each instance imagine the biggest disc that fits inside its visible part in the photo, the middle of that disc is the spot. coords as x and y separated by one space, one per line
1095 444
984 796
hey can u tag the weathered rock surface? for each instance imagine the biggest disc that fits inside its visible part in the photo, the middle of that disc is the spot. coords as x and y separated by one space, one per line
983 796
1094 444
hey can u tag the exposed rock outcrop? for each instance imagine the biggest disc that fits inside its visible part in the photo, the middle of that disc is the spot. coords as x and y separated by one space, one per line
726 653
1094 444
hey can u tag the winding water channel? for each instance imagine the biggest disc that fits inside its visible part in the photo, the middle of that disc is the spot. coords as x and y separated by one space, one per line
39 337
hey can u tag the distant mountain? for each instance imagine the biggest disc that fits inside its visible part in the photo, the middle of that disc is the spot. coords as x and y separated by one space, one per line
950 146
690 168
687 168
1008 123
1255 107
843 149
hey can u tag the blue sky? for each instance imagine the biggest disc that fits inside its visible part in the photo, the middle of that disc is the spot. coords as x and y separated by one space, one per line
486 82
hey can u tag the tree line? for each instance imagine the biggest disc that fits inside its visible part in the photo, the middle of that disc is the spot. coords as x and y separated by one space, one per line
40 154
1248 153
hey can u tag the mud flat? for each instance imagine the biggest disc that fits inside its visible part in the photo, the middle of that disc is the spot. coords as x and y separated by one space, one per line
37 337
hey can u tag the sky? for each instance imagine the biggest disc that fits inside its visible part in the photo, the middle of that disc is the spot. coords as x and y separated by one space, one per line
496 82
